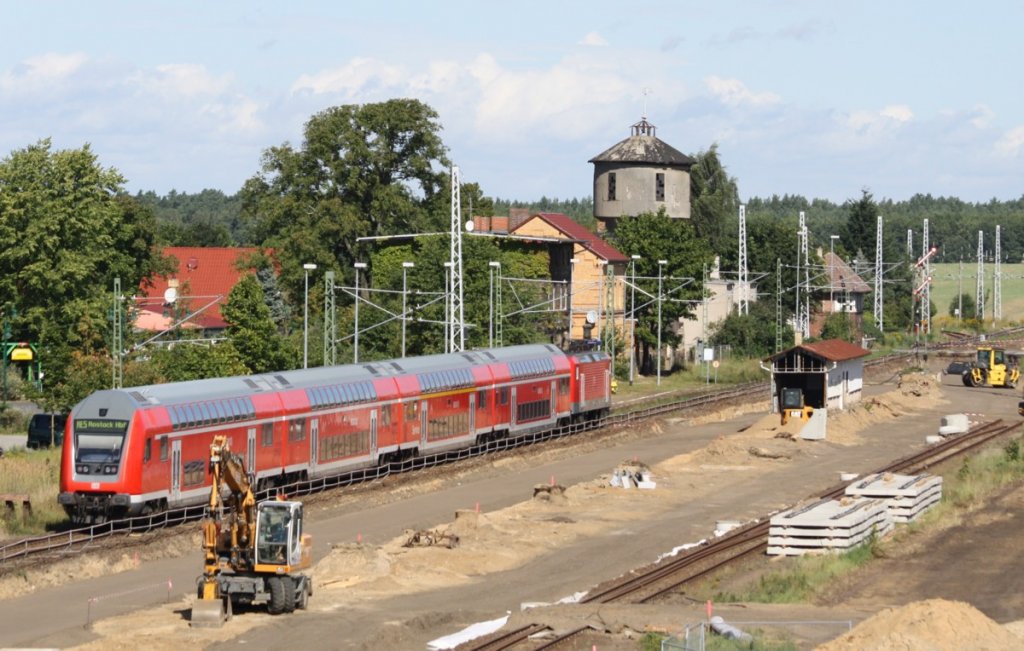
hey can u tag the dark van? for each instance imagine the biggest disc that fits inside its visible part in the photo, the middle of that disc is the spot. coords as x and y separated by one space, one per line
40 434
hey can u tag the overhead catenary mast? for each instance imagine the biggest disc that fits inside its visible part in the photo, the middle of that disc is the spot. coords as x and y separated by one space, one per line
926 294
979 294
997 282
879 302
456 324
744 306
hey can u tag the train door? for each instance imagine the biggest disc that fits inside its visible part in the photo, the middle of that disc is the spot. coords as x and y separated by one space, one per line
250 451
472 413
423 424
373 435
553 398
314 443
512 414
175 470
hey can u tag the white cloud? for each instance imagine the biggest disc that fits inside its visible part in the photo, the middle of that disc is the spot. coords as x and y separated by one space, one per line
351 79
181 80
898 112
982 116
594 39
734 92
41 72
1012 142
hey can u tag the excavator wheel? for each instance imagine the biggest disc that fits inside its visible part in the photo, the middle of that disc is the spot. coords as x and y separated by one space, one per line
289 593
303 599
277 596
967 379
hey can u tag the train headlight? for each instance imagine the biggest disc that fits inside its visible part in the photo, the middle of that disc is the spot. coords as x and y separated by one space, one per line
82 468
109 470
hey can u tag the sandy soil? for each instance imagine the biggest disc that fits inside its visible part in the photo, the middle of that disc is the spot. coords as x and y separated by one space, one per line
354 574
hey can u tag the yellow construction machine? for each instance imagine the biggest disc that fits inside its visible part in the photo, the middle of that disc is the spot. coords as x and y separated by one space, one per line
992 367
253 550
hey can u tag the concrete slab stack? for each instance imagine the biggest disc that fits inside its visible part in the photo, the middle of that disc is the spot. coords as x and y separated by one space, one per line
827 526
906 496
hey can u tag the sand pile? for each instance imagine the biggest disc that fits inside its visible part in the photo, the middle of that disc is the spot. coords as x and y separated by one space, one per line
932 625
914 392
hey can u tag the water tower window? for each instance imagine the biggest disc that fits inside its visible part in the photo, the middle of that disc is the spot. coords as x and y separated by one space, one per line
659 186
611 186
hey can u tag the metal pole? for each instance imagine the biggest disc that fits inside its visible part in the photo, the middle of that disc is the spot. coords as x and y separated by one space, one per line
495 270
306 268
660 263
355 338
632 315
572 272
406 266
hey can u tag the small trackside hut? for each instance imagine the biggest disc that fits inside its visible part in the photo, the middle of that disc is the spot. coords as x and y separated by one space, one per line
827 374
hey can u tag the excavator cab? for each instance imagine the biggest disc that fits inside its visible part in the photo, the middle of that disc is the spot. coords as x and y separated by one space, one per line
279 533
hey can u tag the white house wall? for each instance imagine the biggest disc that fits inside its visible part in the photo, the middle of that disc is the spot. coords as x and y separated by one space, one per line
845 384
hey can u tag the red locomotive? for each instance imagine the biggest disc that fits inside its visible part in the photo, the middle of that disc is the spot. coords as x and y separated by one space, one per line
143 449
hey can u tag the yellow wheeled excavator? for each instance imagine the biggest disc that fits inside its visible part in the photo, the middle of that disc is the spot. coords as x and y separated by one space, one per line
254 550
992 367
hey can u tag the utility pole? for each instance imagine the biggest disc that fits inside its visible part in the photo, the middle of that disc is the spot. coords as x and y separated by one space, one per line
330 334
457 331
997 282
118 343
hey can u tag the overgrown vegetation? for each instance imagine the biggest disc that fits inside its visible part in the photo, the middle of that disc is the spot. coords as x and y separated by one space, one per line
968 487
35 473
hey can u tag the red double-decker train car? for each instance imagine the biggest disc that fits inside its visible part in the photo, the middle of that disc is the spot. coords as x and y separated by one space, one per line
143 449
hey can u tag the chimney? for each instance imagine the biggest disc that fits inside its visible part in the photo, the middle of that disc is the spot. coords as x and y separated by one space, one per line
516 217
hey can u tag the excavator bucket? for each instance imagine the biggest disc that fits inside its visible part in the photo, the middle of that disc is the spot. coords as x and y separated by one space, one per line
210 613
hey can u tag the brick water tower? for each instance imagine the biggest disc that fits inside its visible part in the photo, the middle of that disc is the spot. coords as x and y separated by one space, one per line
640 174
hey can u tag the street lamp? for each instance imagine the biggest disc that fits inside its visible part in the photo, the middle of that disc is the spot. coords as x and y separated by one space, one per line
661 263
632 314
831 271
355 343
572 283
309 266
493 267
406 266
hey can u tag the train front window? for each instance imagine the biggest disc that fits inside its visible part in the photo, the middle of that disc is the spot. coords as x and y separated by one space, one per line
99 440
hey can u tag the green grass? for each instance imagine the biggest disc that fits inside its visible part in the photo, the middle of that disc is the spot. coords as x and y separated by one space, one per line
945 284
35 473
964 488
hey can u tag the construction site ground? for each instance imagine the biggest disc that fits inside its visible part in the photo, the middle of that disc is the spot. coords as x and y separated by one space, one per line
372 593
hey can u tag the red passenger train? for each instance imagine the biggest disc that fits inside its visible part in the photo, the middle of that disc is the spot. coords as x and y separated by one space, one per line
143 449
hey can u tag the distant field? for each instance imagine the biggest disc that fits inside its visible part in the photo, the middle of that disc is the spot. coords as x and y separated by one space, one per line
945 281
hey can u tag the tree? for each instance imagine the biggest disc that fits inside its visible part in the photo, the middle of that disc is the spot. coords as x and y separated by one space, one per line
67 230
970 308
838 325
659 237
363 170
193 361
749 335
251 329
714 199
861 225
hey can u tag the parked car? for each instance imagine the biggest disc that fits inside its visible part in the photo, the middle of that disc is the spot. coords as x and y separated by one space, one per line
957 368
46 429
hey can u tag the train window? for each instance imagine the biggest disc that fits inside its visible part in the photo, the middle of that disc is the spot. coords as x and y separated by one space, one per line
410 411
163 448
189 419
297 429
148 450
173 413
481 400
503 396
236 409
268 434
219 407
250 409
331 395
204 411
194 472
360 392
563 386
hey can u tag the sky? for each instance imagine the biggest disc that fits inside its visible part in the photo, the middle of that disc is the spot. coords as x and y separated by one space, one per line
819 99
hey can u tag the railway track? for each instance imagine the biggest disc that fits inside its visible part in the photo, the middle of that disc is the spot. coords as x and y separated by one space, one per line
656 580
90 537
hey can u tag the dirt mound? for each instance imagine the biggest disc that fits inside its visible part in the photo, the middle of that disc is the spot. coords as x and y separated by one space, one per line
932 625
